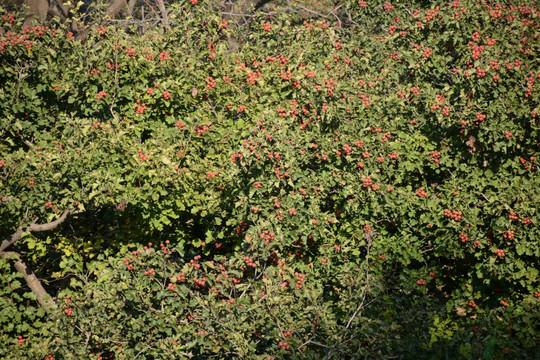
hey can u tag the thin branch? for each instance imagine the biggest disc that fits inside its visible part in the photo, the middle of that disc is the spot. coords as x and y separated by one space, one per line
364 292
235 14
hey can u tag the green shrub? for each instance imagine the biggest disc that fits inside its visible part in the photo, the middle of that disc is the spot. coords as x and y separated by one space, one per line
363 189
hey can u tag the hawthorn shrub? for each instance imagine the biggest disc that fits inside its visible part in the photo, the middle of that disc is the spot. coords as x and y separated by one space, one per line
348 187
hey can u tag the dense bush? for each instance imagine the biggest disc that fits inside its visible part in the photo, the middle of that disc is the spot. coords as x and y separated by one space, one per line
360 187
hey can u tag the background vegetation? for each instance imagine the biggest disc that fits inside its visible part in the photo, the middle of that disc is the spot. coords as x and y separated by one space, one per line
334 180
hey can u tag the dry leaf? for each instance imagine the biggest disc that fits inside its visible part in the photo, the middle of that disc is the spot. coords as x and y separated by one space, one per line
461 311
122 205
471 142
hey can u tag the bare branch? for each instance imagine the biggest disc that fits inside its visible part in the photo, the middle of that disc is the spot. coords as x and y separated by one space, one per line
16 236
36 227
55 223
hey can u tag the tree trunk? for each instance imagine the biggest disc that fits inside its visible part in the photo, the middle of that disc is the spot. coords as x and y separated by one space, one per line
115 8
42 297
37 10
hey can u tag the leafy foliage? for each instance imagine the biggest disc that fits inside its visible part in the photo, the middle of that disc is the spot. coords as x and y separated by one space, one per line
342 190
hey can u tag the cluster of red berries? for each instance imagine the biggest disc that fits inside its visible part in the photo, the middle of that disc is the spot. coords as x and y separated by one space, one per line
284 345
524 162
463 237
195 262
500 253
252 76
480 73
249 261
210 83
180 124
181 277
347 149
446 111
139 109
211 174
99 125
201 129
301 278
455 215
164 56
150 272
435 156
200 282
164 246
142 157
100 31
229 302
128 264
509 235
9 18
513 215
393 155
367 182
481 117
421 193
530 84
234 157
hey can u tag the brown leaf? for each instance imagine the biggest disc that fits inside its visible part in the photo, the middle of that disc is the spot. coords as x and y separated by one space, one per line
122 205
194 91
461 311
471 142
